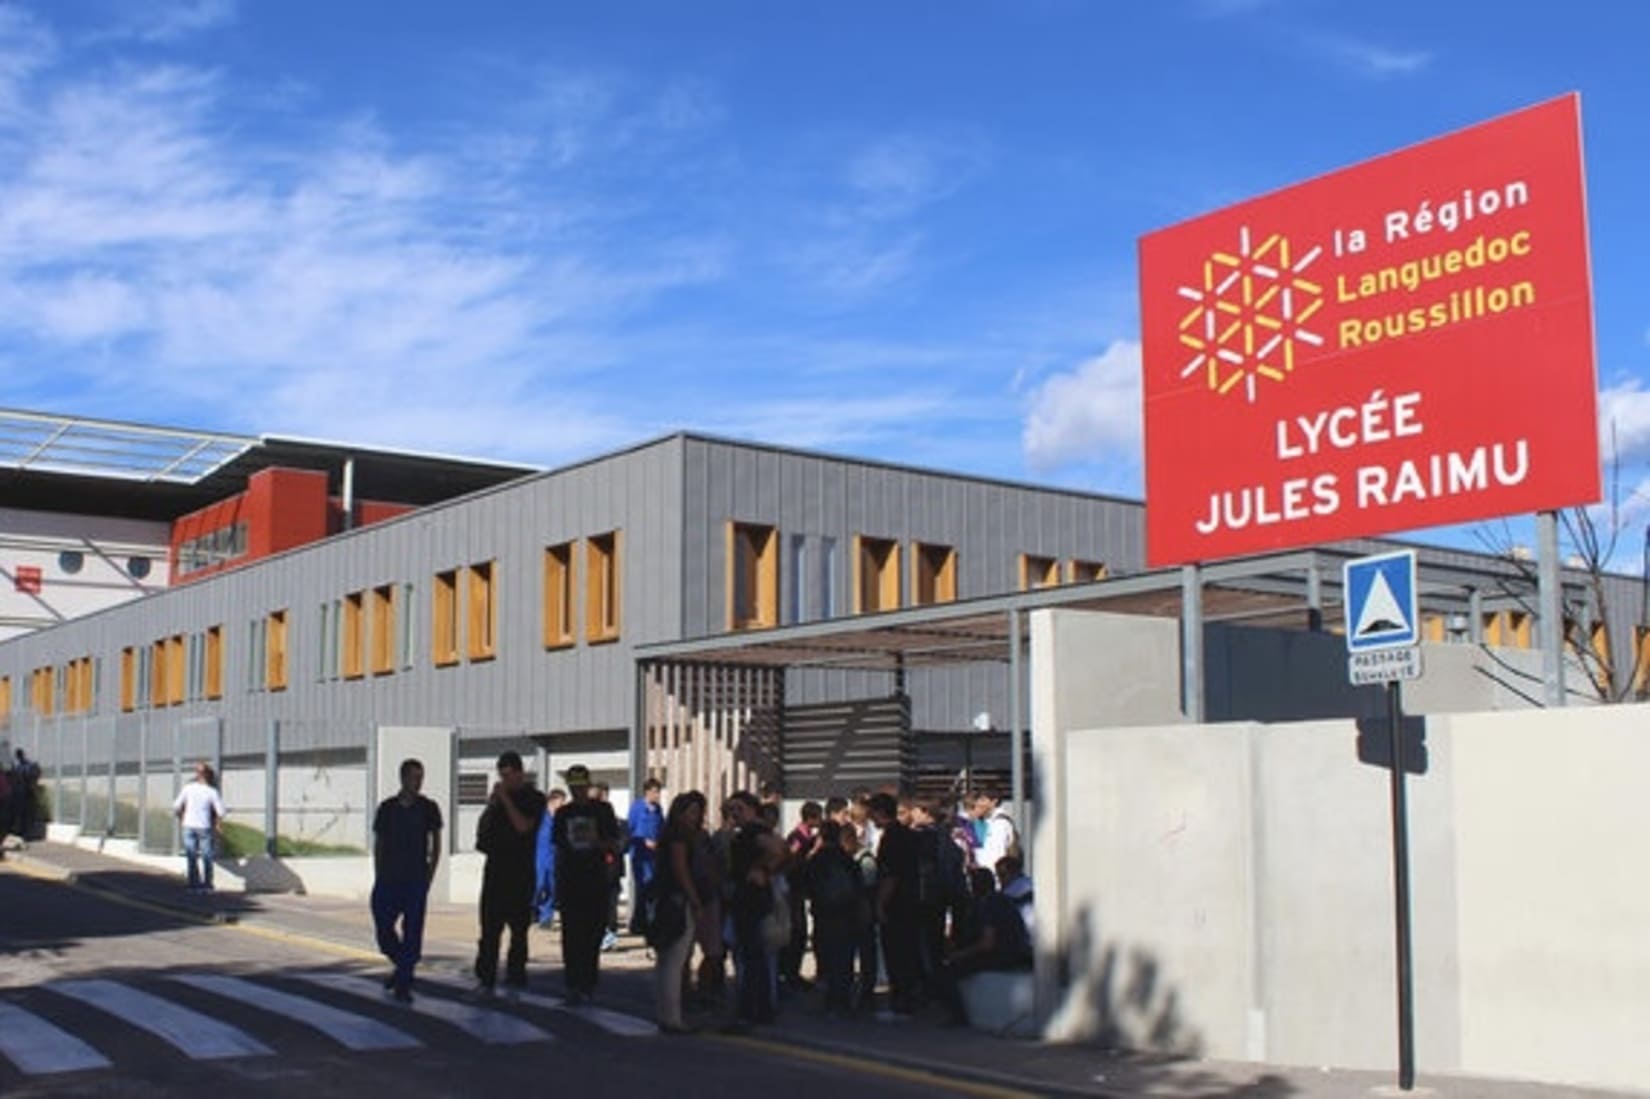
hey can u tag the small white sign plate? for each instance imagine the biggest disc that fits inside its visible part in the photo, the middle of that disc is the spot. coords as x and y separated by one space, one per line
1384 665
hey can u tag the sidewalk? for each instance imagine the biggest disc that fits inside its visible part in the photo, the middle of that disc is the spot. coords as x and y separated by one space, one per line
917 1045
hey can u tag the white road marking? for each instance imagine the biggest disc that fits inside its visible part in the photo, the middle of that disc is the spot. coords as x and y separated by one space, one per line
197 1036
614 1022
37 1047
492 1027
344 1027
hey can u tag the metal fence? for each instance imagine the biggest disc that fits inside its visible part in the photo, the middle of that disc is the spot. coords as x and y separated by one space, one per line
119 777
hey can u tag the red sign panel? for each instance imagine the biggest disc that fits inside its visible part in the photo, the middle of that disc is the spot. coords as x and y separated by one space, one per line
26 579
1404 343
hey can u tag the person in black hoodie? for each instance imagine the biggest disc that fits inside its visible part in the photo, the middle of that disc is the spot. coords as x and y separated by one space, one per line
831 881
506 834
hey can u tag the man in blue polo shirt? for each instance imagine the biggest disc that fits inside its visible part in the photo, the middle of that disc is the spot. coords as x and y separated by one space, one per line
646 822
406 850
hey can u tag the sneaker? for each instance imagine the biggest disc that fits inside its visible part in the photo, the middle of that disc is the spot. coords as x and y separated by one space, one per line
403 995
389 982
610 942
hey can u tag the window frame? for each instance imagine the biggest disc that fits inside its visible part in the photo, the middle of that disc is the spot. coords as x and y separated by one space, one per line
560 596
933 584
603 587
887 583
481 619
752 575
444 619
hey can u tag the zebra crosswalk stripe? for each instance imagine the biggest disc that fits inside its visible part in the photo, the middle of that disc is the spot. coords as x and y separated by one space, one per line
37 1047
197 1036
492 1027
614 1022
357 1032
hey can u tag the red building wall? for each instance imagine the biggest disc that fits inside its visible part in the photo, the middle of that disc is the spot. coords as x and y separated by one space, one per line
282 509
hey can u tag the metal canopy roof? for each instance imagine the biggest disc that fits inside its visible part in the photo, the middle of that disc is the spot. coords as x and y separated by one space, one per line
1271 590
140 471
79 445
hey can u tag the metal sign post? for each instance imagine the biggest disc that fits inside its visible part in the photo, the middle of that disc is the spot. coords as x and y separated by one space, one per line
1382 615
1400 890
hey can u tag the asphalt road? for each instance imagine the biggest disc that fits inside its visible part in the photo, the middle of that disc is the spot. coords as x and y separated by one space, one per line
136 998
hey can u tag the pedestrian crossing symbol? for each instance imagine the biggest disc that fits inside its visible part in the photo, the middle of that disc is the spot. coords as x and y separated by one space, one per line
1382 607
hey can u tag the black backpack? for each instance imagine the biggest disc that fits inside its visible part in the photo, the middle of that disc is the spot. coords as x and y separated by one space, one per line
834 889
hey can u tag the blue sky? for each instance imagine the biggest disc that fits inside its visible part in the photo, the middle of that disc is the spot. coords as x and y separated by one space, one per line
904 230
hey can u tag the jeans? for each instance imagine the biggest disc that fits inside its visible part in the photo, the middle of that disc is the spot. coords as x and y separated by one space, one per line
642 871
404 901
668 976
865 948
756 977
197 856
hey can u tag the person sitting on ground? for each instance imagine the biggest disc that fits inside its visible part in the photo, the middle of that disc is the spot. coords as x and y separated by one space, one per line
1016 886
998 944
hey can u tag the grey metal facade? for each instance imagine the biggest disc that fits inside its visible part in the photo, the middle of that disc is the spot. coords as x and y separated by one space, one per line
671 500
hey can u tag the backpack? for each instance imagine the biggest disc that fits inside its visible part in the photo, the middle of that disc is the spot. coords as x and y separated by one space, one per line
834 888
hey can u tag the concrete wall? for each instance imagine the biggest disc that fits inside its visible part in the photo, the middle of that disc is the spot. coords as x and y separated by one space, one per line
1226 890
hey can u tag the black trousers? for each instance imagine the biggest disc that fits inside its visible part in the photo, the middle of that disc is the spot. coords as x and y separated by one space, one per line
506 901
902 955
583 923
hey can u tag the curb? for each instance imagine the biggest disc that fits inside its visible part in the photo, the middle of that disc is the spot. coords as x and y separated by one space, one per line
947 1071
44 870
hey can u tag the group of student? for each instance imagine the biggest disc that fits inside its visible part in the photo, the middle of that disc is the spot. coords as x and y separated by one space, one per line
872 884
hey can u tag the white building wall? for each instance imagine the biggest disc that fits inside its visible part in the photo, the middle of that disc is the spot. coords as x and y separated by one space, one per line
1226 890
107 550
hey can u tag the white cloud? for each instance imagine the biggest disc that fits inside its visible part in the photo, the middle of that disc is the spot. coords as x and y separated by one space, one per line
1369 59
1088 414
1624 421
341 283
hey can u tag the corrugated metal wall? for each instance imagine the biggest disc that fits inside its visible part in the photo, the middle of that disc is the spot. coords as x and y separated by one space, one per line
524 687
990 524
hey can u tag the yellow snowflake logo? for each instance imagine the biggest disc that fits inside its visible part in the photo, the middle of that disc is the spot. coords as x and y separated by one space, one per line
1249 314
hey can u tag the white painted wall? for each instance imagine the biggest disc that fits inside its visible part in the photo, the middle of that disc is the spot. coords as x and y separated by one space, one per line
39 538
1227 889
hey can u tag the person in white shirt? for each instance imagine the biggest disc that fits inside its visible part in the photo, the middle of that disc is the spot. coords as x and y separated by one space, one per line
200 810
995 830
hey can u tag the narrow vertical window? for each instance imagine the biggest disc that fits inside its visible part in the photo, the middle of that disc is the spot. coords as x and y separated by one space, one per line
796 575
214 662
275 652
406 626
753 576
483 633
158 674
128 680
933 574
351 664
601 596
876 564
323 667
384 635
828 605
177 671
558 596
5 695
444 619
